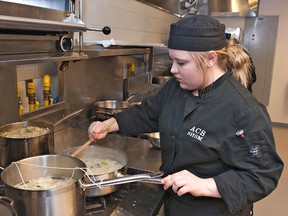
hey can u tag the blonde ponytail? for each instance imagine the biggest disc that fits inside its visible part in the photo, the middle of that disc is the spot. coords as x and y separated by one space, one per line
236 58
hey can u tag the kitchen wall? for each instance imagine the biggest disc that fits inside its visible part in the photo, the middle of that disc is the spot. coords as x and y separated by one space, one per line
131 21
134 22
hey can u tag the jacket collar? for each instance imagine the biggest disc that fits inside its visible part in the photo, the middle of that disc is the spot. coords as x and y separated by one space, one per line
215 84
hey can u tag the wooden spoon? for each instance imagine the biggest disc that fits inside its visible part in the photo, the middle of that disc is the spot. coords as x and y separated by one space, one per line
90 141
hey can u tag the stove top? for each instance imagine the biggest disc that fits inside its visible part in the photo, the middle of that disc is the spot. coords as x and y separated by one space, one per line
105 205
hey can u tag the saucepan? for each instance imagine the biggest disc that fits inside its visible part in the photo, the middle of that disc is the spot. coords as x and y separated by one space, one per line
154 139
161 79
114 170
108 108
28 142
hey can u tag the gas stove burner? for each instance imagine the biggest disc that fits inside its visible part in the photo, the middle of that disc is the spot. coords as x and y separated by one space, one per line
104 205
95 205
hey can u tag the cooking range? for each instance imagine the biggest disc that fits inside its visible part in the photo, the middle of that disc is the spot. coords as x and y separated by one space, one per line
138 198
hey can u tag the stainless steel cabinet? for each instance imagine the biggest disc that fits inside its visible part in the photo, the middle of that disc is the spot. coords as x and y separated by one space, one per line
260 36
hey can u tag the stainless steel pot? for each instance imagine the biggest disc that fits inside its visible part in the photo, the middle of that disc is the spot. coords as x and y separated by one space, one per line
68 200
6 207
161 79
108 108
93 151
154 139
14 149
109 182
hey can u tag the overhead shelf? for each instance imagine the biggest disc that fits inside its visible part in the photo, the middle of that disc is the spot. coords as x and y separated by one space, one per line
41 57
97 51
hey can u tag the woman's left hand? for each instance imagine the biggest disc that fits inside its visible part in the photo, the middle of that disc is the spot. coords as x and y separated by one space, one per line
186 182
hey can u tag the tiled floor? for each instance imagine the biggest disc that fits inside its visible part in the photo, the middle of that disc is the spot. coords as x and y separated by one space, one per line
276 203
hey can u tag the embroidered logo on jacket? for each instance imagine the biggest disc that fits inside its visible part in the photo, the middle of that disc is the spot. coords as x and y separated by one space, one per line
196 133
255 151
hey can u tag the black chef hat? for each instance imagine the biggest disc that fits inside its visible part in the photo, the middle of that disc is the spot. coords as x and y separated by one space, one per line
197 33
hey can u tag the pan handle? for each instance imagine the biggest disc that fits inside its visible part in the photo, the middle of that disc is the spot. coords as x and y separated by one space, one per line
153 181
70 115
147 177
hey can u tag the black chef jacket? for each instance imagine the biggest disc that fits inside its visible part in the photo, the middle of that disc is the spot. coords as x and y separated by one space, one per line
225 133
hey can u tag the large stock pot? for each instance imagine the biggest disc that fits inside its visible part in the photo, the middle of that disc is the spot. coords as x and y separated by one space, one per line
68 200
14 149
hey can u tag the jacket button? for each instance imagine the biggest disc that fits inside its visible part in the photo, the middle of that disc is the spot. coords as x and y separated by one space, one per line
173 137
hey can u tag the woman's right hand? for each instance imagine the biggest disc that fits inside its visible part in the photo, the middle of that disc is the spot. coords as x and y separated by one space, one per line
97 129
186 182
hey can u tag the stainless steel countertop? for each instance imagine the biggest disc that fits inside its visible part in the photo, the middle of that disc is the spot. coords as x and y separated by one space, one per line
144 199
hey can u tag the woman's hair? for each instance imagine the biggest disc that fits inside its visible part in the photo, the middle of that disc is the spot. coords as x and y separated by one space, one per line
232 57
236 58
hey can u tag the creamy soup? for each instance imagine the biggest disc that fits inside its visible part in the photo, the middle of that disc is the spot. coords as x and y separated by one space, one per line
27 132
102 166
45 183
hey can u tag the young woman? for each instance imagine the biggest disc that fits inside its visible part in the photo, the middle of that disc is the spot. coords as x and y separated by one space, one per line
218 150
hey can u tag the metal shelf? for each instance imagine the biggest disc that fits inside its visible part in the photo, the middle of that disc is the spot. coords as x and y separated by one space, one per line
41 57
96 51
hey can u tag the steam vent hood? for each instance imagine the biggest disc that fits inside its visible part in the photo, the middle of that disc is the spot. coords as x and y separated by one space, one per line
181 8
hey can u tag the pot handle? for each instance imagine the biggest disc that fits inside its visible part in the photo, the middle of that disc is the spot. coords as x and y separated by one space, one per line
147 177
70 115
1 185
106 113
7 200
129 98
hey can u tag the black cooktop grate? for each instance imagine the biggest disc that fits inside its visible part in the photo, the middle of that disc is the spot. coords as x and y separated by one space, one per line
105 205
